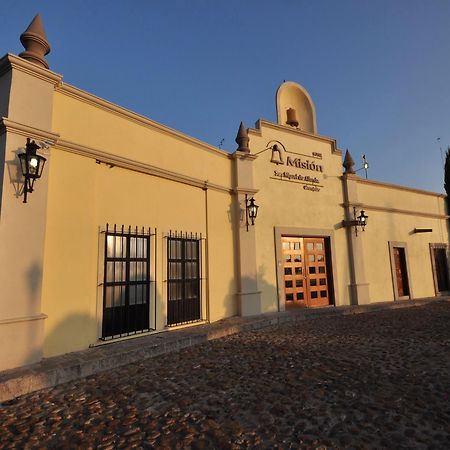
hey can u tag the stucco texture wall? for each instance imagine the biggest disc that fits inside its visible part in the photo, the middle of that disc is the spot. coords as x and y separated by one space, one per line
288 204
125 135
394 213
84 196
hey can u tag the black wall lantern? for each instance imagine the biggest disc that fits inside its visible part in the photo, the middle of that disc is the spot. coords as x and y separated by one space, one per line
358 221
32 166
362 219
251 211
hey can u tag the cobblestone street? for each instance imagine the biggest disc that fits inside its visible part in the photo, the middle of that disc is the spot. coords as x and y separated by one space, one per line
376 380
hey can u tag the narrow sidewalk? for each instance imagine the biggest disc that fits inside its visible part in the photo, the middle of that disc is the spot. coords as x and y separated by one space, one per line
61 369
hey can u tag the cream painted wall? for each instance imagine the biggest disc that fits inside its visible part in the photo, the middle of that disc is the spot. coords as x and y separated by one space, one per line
222 280
22 226
386 225
70 264
399 197
32 100
84 197
107 131
287 204
5 83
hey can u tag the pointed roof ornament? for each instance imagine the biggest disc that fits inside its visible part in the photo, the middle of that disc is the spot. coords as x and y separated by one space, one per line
35 42
242 139
348 163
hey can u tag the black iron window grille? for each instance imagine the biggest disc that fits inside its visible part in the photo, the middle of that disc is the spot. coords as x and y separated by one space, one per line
184 302
127 281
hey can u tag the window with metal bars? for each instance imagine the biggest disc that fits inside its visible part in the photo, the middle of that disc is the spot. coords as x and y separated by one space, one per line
184 279
126 287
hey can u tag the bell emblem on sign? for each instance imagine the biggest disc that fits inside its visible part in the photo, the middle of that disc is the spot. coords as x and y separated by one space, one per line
276 155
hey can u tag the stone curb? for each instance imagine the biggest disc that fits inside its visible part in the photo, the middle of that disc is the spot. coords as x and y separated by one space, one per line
72 366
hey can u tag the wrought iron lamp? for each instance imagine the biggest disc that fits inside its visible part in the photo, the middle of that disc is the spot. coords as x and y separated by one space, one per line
358 221
251 211
362 219
32 166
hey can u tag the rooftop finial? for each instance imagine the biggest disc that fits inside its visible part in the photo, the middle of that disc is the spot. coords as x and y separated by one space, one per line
35 42
242 139
348 163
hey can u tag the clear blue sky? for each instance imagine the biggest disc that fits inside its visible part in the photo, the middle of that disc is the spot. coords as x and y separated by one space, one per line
377 71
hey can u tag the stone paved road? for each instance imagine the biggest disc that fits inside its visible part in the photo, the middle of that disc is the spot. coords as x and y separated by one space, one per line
378 380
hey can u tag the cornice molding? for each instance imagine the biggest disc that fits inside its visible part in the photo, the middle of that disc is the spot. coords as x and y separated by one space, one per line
124 113
408 212
397 187
243 155
8 125
9 62
23 319
265 123
130 164
241 190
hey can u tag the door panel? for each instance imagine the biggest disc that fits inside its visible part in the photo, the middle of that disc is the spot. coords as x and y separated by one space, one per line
316 270
294 271
305 272
401 273
441 268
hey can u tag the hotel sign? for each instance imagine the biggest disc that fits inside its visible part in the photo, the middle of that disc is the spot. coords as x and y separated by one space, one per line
292 161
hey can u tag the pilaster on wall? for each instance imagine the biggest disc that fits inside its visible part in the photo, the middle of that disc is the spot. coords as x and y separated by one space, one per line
359 288
26 91
248 296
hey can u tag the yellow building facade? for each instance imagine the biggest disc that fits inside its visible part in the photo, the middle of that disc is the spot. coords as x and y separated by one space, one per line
135 228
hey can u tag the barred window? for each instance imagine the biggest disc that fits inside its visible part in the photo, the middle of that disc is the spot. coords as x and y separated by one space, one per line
184 279
126 287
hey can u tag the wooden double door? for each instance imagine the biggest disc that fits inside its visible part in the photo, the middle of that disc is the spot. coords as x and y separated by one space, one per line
305 273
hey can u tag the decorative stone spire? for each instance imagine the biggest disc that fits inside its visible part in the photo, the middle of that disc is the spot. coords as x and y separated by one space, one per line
242 139
35 42
348 163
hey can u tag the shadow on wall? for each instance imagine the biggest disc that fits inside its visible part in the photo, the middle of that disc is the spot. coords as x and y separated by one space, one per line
30 331
74 331
15 173
269 291
269 296
33 280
